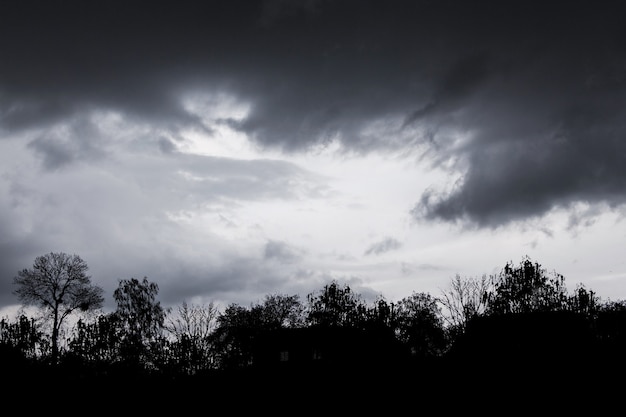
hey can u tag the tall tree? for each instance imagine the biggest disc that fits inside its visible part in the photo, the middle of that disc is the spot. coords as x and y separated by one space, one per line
526 288
234 336
141 319
584 301
420 325
58 283
280 311
336 306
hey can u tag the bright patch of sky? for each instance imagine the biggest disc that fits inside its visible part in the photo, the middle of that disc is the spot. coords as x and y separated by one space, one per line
365 200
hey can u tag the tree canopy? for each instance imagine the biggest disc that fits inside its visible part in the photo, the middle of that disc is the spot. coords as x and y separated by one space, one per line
522 315
59 284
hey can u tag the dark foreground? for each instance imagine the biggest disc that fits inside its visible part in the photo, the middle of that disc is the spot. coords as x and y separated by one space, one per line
451 386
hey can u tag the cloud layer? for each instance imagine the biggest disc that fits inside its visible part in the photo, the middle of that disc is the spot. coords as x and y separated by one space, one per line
522 105
525 102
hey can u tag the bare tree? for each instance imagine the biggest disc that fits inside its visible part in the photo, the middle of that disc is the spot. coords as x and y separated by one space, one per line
465 299
59 284
195 321
192 328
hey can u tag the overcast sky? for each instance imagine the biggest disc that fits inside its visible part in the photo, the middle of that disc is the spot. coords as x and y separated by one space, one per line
229 150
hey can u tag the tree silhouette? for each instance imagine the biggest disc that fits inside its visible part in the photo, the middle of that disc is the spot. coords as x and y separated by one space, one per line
584 301
381 314
94 344
530 324
526 288
334 306
464 300
21 342
420 325
234 335
239 328
58 283
283 311
192 329
141 319
514 331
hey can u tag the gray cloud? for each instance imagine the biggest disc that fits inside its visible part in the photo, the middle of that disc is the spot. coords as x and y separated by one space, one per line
538 94
553 155
523 104
383 246
281 251
77 141
230 281
408 268
124 213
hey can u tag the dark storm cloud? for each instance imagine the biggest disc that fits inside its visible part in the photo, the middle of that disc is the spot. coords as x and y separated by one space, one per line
536 90
551 147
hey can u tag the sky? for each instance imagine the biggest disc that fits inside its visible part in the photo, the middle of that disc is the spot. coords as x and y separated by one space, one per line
230 150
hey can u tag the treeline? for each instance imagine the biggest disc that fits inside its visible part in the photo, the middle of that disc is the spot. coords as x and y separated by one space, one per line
521 318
